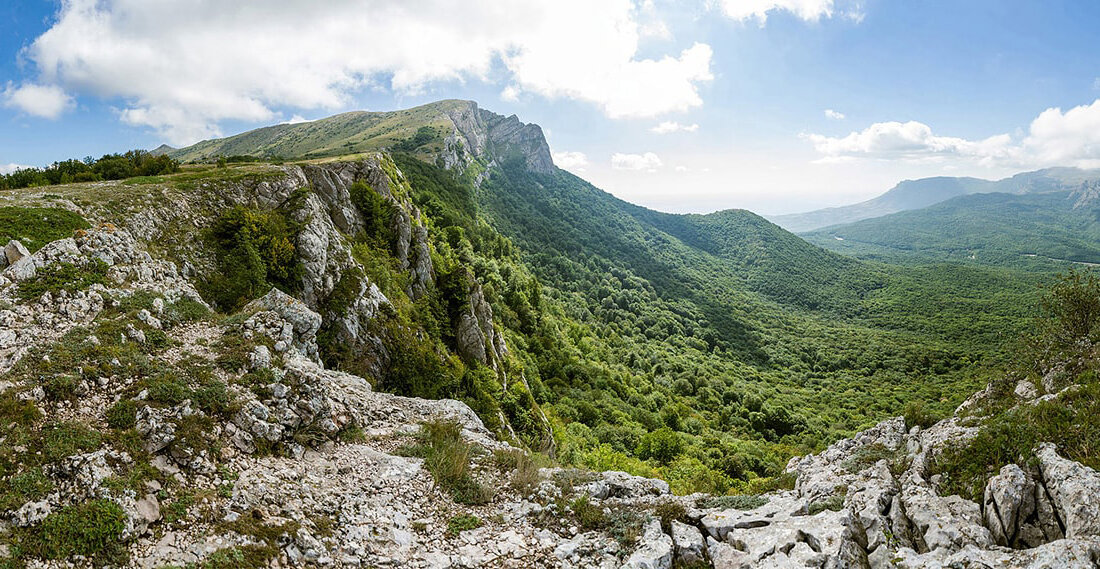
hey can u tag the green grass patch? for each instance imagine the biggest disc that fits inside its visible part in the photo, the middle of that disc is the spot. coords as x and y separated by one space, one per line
447 457
23 487
36 226
1072 422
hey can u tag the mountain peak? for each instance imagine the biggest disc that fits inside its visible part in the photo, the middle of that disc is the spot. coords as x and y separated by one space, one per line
451 132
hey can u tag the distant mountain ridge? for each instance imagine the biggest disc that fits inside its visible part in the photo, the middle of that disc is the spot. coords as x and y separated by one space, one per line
917 194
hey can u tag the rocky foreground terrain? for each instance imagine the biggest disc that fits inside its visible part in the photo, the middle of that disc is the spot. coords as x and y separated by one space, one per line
140 430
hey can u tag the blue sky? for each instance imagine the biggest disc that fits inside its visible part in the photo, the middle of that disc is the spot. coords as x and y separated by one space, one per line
915 88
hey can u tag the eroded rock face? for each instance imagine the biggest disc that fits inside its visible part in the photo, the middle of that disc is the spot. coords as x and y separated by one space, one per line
483 134
689 543
1074 490
1008 502
654 551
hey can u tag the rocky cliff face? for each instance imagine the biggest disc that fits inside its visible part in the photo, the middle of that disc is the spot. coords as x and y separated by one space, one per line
481 134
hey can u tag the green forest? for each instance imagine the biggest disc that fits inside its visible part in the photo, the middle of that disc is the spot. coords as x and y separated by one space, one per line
706 350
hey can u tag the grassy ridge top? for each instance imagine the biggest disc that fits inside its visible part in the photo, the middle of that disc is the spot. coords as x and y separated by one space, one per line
342 134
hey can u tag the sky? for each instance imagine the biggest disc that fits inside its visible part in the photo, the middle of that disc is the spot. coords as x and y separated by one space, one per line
776 106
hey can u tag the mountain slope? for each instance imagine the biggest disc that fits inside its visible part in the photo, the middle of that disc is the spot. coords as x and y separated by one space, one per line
1027 231
724 332
917 194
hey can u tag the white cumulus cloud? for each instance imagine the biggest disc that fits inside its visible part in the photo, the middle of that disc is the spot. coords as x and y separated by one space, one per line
9 168
810 10
908 141
649 161
1054 138
673 126
834 115
46 101
1065 138
575 161
183 66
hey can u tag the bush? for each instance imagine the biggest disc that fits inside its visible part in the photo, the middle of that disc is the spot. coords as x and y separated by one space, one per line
669 511
916 414
459 524
62 276
92 529
122 415
255 250
377 214
662 445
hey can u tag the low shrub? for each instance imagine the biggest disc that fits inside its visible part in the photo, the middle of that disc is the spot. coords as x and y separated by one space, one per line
62 276
738 502
916 414
834 503
670 511
122 415
92 529
461 523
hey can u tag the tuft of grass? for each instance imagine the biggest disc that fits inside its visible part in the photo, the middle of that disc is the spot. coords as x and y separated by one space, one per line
447 457
461 523
588 515
524 471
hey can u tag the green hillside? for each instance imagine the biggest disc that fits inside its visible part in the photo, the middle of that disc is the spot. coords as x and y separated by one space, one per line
346 133
916 194
1030 231
706 349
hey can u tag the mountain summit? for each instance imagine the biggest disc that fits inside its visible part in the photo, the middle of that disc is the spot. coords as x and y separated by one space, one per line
453 132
